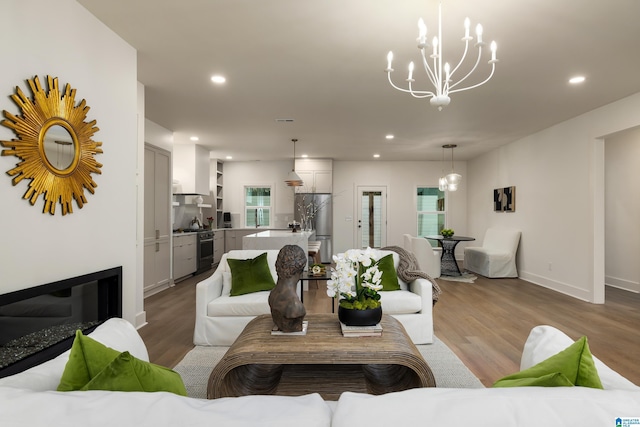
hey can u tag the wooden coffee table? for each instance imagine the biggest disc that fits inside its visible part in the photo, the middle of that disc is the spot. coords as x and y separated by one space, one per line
322 361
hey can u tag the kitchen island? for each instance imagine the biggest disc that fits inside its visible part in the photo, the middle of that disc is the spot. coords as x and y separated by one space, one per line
277 239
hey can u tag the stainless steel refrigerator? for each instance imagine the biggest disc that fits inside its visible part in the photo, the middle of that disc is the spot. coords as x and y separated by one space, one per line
322 221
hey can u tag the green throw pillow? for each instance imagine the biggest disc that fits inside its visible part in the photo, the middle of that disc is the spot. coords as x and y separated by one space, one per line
574 363
250 275
389 274
87 359
126 373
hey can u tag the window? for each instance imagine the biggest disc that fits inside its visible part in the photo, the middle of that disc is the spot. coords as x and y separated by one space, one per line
257 210
431 212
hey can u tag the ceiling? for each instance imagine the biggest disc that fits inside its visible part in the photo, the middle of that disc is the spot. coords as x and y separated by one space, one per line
321 63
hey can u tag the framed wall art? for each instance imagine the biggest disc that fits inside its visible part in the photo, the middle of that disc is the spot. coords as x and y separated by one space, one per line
504 199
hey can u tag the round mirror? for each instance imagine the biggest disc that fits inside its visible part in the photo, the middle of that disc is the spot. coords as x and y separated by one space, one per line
59 147
54 144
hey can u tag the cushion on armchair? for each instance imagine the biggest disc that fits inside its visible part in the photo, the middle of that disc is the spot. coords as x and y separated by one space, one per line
250 275
389 274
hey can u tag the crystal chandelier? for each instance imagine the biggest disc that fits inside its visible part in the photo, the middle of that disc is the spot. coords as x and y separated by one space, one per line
441 76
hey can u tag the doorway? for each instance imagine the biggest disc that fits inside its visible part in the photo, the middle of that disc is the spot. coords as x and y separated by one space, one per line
372 217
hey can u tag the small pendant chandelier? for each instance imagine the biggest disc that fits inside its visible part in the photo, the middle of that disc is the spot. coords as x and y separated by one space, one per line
293 179
453 179
442 181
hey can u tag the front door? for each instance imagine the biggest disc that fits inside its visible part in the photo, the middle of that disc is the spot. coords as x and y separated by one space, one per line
372 217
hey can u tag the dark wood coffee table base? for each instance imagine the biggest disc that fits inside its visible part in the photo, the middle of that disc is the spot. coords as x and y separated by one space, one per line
322 361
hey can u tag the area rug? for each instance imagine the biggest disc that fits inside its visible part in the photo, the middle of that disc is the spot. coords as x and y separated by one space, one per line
447 368
465 278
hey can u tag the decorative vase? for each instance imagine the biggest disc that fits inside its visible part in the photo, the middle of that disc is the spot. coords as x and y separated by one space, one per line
352 317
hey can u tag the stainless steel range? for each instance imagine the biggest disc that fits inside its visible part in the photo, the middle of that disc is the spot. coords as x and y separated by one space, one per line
205 250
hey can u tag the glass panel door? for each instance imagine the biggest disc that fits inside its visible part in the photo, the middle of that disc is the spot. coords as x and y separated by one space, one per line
372 217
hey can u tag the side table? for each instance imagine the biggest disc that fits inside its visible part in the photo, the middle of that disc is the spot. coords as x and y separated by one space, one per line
308 276
448 264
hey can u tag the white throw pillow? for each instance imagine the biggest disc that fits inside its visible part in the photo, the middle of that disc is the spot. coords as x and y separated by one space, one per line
545 341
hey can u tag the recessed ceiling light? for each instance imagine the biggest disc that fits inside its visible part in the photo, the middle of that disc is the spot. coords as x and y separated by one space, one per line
304 156
229 157
194 138
375 156
389 136
576 80
218 79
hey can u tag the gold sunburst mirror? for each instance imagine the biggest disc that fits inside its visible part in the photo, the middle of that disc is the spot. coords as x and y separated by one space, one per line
54 144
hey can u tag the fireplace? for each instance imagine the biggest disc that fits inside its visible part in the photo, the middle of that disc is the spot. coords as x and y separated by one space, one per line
39 323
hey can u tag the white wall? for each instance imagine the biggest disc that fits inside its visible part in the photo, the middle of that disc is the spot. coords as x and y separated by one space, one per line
64 40
622 201
237 175
401 179
559 179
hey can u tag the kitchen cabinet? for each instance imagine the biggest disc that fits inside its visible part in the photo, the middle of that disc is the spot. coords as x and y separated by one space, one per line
233 237
185 253
317 175
218 245
191 169
157 228
213 201
218 192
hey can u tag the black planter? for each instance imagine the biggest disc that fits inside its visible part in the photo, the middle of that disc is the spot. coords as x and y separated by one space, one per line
350 317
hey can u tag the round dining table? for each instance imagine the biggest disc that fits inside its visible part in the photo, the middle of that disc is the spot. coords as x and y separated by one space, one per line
448 264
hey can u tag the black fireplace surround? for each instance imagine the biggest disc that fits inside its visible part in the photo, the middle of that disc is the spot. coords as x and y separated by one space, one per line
39 323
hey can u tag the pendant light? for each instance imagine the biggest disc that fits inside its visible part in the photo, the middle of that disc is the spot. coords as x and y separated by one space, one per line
453 179
293 179
442 181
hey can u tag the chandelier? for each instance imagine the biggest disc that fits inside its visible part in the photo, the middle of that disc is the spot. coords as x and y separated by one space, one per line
441 76
451 181
293 179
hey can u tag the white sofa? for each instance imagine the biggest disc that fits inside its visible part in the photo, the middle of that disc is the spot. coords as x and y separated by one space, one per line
496 258
28 399
220 318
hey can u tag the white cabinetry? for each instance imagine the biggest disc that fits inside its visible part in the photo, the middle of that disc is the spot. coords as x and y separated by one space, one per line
233 238
218 193
185 254
191 169
218 245
317 175
157 194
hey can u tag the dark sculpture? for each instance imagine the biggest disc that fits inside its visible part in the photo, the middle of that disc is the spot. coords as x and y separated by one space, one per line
287 310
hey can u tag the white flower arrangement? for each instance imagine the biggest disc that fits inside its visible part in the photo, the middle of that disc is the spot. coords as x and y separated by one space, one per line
355 280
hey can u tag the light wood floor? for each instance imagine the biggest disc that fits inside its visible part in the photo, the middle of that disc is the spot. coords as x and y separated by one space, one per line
485 323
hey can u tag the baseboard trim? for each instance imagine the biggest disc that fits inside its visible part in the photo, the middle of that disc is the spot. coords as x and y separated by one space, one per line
563 288
141 319
623 284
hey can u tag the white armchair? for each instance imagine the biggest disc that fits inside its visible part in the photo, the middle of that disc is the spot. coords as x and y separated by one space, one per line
220 317
412 305
497 255
428 258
